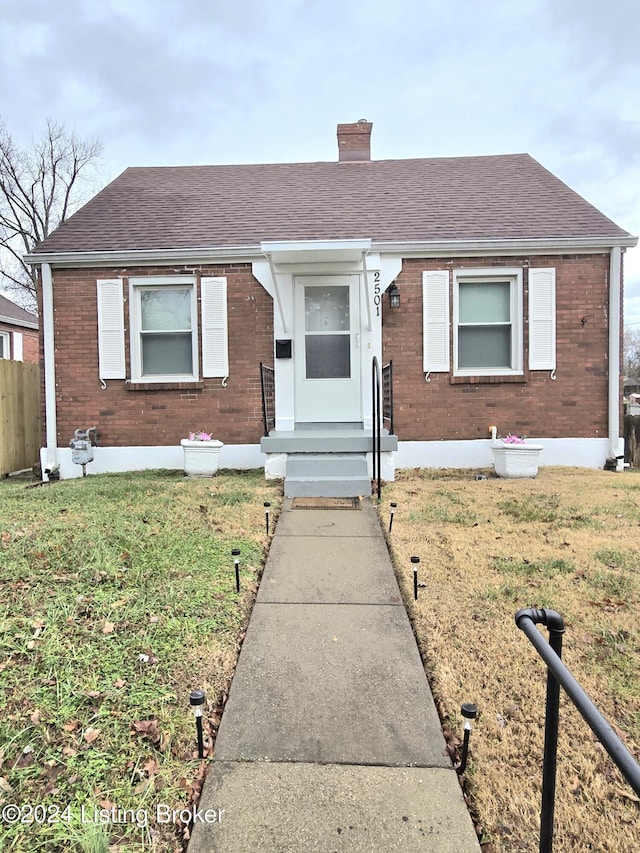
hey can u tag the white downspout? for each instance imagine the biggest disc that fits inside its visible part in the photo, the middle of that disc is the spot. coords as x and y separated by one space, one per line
616 444
51 461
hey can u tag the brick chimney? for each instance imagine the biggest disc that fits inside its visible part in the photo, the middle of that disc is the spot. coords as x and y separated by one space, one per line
354 141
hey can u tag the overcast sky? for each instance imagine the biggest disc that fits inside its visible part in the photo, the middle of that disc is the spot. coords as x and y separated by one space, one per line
205 81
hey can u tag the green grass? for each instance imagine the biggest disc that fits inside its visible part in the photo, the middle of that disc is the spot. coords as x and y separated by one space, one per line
118 599
444 507
533 568
547 508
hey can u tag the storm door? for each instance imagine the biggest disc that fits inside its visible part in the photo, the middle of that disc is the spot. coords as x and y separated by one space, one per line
327 349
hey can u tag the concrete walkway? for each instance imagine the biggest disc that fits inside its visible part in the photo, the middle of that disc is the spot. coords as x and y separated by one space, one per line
330 740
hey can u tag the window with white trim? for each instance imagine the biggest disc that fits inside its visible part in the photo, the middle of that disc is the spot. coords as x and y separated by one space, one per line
5 350
164 338
487 322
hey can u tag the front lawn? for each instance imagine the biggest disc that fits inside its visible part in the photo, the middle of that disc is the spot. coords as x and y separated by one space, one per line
567 541
118 599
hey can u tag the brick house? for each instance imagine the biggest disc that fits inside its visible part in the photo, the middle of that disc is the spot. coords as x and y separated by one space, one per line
19 339
163 295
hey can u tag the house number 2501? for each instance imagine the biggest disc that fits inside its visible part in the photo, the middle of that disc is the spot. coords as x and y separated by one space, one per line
376 292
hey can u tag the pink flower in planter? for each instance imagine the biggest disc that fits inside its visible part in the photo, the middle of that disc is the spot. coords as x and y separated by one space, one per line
513 439
200 436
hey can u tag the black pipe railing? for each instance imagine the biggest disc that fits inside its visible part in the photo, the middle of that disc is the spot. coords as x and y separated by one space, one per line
268 386
558 675
387 395
376 394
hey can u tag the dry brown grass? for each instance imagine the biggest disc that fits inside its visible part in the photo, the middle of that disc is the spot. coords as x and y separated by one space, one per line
568 541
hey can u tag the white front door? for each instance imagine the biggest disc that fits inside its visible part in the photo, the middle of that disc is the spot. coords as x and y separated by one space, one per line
327 349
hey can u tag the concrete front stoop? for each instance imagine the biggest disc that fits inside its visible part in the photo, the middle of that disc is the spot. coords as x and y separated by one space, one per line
330 740
338 475
327 460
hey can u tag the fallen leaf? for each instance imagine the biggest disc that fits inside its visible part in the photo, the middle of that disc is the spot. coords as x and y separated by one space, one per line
108 627
150 767
148 729
71 726
91 734
119 682
35 717
26 758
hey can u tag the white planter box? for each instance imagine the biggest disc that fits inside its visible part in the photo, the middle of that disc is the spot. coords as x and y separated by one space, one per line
517 460
201 458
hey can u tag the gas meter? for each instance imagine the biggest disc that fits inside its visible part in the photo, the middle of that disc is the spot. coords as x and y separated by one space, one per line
81 447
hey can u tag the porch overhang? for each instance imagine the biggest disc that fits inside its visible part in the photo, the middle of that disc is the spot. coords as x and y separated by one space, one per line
288 252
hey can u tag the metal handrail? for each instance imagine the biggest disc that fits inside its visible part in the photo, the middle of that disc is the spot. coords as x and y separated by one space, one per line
558 675
376 423
387 395
267 385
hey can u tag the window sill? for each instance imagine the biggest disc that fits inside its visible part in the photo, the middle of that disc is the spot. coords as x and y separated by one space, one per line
512 378
165 386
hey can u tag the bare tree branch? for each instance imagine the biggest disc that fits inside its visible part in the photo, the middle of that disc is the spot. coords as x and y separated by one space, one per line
40 187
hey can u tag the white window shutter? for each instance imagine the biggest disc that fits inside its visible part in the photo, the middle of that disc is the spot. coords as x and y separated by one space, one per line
542 318
17 346
215 338
435 321
111 360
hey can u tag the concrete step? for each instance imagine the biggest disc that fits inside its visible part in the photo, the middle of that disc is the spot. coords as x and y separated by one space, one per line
325 441
327 487
326 465
326 475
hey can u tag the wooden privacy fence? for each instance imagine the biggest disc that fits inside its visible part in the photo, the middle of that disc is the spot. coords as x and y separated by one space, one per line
632 440
19 415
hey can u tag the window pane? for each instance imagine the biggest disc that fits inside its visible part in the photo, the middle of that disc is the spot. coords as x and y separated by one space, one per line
164 354
481 347
326 309
485 302
328 356
165 309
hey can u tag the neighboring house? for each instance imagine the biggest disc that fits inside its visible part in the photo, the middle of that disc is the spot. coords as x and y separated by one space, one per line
162 296
19 339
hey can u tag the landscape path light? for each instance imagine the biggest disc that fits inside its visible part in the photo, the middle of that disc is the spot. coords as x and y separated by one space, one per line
469 711
197 699
415 561
393 508
236 562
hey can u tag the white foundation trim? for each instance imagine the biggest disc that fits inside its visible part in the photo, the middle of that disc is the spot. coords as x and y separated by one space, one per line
572 452
111 460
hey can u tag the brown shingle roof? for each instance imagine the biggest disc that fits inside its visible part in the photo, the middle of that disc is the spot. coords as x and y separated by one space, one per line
461 198
15 315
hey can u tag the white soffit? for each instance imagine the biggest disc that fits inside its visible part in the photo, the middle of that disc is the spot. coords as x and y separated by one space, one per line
315 251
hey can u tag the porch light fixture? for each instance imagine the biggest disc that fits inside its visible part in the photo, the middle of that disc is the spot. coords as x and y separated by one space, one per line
394 296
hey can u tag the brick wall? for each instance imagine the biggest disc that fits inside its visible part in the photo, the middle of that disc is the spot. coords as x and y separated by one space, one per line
575 404
159 416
